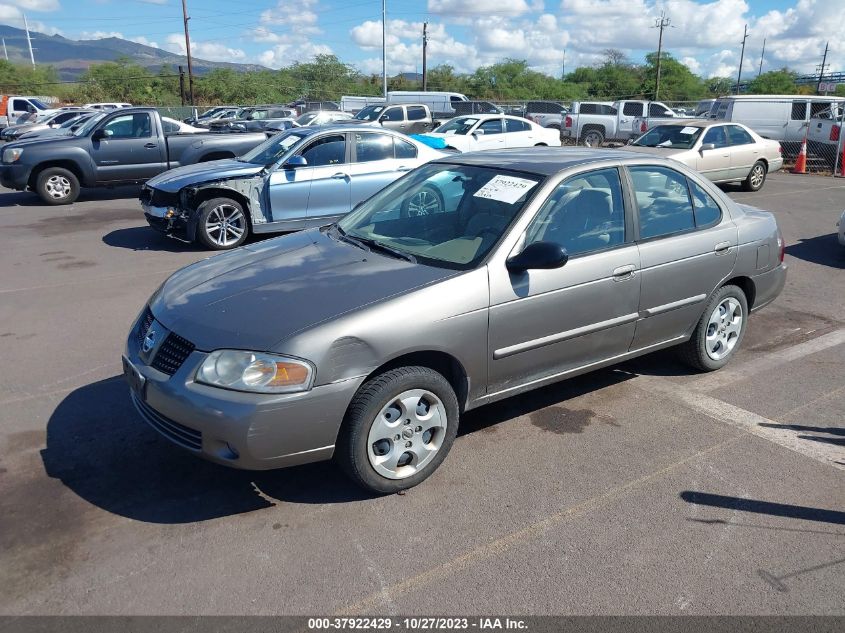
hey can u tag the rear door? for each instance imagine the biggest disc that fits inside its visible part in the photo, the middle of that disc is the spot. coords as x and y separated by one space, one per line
519 133
133 148
744 151
418 120
373 164
687 245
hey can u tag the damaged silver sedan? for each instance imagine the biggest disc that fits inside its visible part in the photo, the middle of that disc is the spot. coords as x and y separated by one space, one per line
299 179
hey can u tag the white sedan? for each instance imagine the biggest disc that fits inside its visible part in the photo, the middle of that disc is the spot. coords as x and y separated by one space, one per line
493 131
172 126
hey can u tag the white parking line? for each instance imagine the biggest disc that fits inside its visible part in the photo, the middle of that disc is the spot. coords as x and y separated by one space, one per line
769 361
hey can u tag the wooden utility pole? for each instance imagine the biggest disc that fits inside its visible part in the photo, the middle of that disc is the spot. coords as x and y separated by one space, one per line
185 18
425 57
822 68
660 23
383 47
741 59
762 53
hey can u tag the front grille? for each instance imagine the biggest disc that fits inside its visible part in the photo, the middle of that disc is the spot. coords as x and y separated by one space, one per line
144 324
175 432
172 354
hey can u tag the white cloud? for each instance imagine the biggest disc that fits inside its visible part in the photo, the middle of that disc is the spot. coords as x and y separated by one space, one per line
300 19
212 51
99 35
288 53
478 7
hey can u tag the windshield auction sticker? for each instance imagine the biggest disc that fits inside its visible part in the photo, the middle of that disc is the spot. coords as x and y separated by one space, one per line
507 189
689 130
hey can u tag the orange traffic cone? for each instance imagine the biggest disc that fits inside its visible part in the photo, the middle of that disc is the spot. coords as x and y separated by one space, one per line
801 161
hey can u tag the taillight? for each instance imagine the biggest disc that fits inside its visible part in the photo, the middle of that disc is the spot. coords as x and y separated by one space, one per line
568 122
781 246
834 133
643 127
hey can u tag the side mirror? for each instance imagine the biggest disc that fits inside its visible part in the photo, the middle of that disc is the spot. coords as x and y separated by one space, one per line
478 133
101 134
706 146
296 161
539 255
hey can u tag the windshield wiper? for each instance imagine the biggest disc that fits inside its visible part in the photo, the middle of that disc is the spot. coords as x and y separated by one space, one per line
343 237
375 244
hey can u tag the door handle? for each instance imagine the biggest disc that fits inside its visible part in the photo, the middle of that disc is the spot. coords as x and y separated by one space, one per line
150 145
624 272
339 176
722 247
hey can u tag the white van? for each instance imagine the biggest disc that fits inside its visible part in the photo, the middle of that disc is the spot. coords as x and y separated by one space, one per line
782 118
353 105
13 107
440 103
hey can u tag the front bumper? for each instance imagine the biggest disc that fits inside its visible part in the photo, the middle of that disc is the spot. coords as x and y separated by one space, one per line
242 430
168 220
14 176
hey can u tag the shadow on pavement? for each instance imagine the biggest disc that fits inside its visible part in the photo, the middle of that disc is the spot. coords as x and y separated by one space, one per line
829 430
823 249
764 507
143 238
30 199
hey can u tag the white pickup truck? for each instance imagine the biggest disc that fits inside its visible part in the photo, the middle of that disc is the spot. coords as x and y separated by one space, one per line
617 121
825 135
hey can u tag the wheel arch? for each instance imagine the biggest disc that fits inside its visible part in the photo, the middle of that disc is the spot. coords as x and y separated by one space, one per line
746 284
442 362
70 165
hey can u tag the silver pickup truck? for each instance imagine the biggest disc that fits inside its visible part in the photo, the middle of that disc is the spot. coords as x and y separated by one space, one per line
594 122
824 136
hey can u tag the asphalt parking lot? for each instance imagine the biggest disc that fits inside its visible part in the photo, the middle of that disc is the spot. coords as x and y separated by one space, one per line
640 489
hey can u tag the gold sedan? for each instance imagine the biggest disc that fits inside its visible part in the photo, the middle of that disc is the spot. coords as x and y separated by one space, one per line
723 152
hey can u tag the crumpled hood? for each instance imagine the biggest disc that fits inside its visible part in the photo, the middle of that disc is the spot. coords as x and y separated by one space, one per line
176 179
257 296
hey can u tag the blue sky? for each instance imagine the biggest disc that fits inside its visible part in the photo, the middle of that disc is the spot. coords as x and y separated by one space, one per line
463 33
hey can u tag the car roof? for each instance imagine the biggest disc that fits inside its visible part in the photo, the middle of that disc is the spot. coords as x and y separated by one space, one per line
539 160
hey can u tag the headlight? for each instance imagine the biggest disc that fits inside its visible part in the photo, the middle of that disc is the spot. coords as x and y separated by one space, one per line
255 371
11 154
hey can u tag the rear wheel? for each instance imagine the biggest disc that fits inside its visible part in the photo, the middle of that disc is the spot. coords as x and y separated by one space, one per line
56 185
222 224
719 331
756 177
593 138
398 429
426 201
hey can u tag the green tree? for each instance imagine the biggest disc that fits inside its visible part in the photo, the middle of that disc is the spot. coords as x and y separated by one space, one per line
677 81
774 82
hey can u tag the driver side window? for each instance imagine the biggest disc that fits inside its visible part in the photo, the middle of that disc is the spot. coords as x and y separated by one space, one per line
493 126
328 150
129 126
585 213
716 135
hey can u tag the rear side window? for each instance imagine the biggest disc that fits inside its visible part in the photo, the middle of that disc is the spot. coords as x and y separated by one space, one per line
818 108
738 136
373 147
513 125
404 149
663 201
707 211
719 110
799 110
416 113
169 128
632 109
657 110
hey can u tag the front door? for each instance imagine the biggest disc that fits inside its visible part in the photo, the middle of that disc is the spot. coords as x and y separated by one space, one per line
715 163
130 150
491 136
687 245
546 322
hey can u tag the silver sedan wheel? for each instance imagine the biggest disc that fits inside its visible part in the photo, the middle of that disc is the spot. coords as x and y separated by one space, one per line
57 187
225 224
424 203
756 176
406 434
723 329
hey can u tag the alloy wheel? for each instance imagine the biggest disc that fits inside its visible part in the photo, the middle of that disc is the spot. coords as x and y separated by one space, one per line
406 434
57 187
756 177
723 328
423 203
225 224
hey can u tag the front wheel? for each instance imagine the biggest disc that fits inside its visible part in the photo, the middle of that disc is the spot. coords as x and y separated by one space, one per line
398 429
56 185
719 331
756 177
426 201
222 224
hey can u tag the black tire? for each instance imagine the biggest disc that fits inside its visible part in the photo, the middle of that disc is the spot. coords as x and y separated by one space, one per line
52 182
694 352
426 201
595 136
756 177
352 449
540 145
208 238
